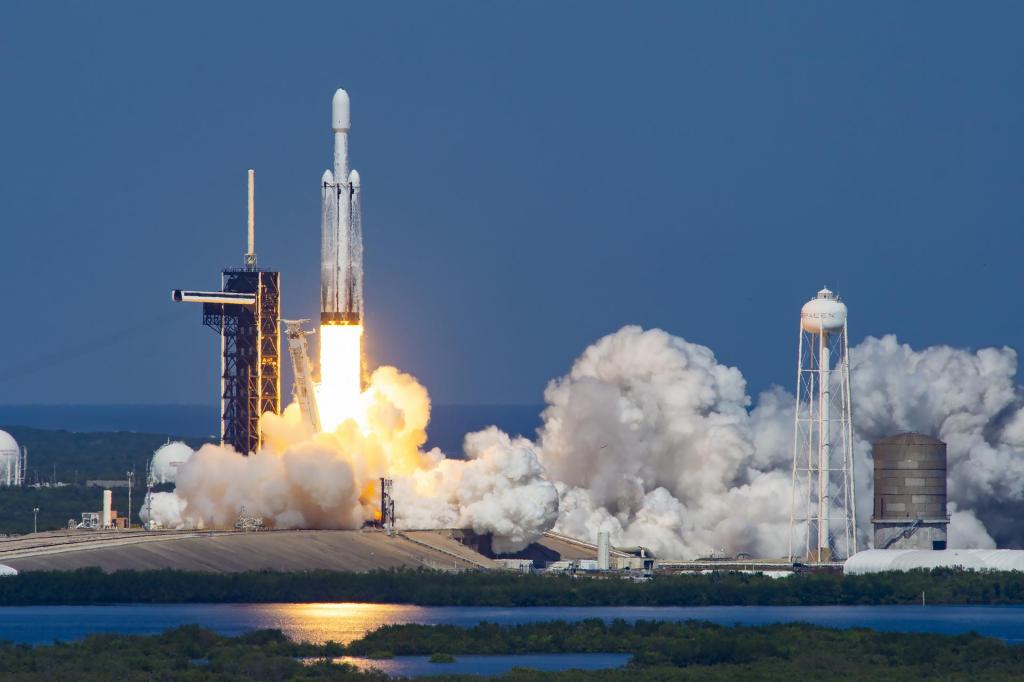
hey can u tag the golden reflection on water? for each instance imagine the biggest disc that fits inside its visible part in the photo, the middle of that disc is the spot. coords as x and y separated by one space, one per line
343 622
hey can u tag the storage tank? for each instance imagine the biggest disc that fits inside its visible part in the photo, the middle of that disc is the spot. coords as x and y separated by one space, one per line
107 497
910 492
603 550
10 458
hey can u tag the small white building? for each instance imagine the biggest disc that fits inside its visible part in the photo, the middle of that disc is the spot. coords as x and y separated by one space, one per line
517 565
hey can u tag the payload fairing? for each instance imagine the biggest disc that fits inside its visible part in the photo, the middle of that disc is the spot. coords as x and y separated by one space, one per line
341 266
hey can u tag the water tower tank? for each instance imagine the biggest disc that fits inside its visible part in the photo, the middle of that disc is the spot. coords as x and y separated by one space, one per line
910 492
9 454
825 312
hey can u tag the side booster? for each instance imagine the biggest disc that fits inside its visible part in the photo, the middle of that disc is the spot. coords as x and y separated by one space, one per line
341 254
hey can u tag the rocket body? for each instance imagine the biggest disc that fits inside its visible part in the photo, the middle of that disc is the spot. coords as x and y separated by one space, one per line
341 265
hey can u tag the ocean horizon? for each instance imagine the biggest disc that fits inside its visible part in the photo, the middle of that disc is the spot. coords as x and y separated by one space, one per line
448 424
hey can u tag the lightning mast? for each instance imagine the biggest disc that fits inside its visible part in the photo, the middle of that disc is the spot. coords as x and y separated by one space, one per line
150 481
823 508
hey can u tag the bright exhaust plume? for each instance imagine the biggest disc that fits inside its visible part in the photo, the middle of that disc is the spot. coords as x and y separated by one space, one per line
339 393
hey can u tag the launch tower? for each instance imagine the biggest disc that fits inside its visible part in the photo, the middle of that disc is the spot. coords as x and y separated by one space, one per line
823 508
246 313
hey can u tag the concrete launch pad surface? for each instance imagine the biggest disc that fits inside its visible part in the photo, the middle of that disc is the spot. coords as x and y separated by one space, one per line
234 551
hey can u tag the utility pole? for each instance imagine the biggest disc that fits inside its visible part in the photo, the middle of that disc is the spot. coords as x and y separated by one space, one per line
35 519
131 482
149 497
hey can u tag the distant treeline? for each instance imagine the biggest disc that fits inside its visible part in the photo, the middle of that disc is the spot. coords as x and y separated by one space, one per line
660 651
91 586
59 505
707 651
73 458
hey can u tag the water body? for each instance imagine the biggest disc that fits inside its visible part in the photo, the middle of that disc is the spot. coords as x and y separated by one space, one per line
344 622
413 666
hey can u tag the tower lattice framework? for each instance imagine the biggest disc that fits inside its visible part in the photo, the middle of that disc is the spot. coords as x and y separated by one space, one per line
823 525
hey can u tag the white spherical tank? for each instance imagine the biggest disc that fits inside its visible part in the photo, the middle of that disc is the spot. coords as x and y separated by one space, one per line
9 453
823 313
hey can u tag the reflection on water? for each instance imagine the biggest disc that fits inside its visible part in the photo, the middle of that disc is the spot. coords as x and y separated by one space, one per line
343 623
407 666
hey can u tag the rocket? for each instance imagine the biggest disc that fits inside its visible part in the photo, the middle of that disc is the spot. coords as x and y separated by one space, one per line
341 252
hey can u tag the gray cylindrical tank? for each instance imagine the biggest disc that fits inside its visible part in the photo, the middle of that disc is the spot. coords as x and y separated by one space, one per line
910 477
910 492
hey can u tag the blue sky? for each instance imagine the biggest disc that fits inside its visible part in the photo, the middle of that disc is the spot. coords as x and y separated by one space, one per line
535 175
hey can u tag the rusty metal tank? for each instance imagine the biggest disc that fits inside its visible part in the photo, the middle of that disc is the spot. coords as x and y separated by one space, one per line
910 492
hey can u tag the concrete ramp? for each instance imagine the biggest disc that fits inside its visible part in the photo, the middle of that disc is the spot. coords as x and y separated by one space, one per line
229 552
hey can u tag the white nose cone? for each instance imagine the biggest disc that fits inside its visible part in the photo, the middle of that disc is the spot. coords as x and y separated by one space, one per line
340 119
327 178
823 313
353 178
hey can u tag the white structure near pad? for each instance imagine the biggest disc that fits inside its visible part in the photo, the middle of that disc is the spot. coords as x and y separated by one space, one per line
12 461
885 560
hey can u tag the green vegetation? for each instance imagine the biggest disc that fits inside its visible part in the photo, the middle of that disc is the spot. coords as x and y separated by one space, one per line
791 651
57 505
380 655
74 458
440 657
660 651
91 586
185 653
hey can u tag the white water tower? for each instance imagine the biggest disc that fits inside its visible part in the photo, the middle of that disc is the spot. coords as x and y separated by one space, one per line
823 512
12 461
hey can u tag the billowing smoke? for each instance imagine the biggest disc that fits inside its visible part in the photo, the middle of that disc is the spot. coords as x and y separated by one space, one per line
652 439
969 400
330 480
166 510
648 436
167 459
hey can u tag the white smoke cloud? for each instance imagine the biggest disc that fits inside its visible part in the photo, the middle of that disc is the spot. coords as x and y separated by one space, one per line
970 400
167 459
966 531
331 480
648 437
167 509
653 441
503 490
651 438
